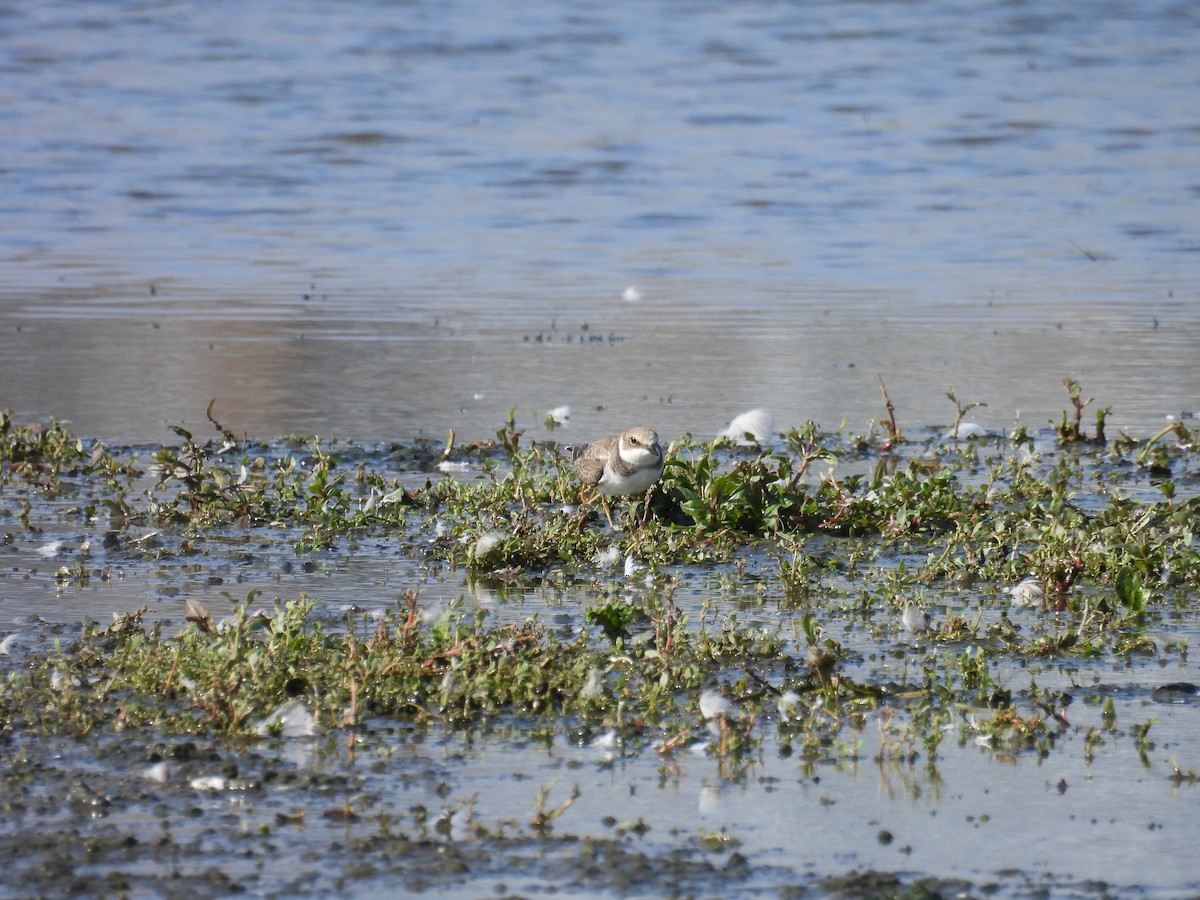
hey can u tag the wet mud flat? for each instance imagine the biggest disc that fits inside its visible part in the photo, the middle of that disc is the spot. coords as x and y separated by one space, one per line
826 665
97 826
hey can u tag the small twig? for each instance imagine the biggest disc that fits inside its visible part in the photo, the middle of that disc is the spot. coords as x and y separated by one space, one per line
666 636
1075 391
1089 254
894 436
765 685
428 713
221 429
350 737
674 741
961 411
543 816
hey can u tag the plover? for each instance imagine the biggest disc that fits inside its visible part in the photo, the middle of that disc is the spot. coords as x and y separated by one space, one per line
620 464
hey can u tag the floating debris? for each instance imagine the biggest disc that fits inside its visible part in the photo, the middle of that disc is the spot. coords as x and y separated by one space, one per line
966 430
714 705
487 542
610 740
594 686
789 706
1175 692
158 772
291 719
608 558
1028 592
16 640
915 619
759 424
209 783
194 611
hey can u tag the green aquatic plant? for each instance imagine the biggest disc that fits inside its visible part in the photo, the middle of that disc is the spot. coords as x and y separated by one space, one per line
613 618
826 529
39 450
1071 432
755 497
226 677
999 516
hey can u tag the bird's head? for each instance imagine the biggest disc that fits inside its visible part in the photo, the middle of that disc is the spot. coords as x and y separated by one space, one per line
639 446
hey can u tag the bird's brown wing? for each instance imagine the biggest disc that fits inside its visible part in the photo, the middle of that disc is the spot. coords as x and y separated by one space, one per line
590 470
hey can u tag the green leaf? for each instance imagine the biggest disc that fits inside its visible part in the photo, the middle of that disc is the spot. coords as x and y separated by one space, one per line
1130 590
613 618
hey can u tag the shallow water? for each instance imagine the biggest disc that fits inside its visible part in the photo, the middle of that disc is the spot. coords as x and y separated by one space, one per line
356 220
795 825
984 821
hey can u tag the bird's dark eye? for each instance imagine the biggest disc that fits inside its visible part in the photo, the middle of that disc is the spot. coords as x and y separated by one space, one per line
633 441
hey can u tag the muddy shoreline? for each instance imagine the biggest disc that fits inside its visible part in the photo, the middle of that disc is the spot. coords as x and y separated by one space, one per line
501 696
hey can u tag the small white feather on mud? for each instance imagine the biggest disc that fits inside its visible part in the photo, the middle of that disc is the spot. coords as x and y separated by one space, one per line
758 423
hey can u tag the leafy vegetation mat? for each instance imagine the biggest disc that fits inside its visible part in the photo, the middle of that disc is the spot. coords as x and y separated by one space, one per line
781 596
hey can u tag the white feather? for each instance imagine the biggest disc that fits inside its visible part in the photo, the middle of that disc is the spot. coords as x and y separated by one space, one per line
758 423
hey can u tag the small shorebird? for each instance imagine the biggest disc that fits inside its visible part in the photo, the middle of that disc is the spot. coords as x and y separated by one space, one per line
621 464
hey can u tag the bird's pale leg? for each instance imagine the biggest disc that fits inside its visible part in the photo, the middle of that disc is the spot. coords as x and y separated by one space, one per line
608 513
588 495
